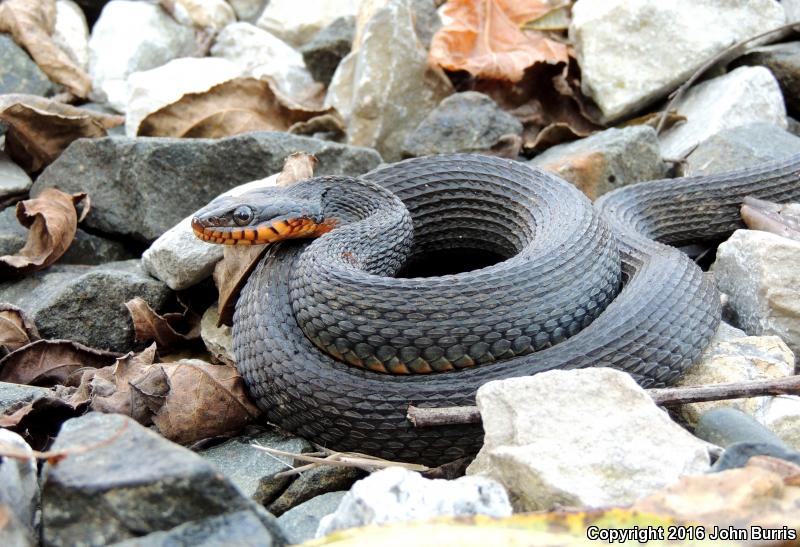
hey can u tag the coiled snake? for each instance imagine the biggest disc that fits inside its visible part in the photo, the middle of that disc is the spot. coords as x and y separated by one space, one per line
334 347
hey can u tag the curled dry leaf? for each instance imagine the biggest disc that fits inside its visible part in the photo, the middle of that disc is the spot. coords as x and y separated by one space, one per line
51 362
16 329
168 331
40 420
485 38
40 129
31 23
236 106
109 388
53 221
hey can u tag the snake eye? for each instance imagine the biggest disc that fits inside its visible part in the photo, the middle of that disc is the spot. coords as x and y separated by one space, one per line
242 215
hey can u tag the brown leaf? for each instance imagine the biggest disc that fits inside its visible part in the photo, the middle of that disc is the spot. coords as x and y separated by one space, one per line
53 222
109 388
169 330
40 129
31 24
485 38
51 362
237 106
16 328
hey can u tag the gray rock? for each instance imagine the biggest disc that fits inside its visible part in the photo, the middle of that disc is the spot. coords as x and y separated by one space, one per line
19 484
724 426
793 126
426 21
142 187
741 147
297 21
396 495
252 470
13 533
783 60
18 72
136 484
738 454
328 47
313 483
14 181
578 438
13 396
463 122
86 303
300 523
248 10
607 160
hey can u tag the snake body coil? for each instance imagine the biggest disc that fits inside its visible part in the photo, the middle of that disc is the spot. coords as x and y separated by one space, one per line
549 305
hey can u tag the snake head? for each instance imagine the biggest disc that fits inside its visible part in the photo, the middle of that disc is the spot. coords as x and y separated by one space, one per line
259 217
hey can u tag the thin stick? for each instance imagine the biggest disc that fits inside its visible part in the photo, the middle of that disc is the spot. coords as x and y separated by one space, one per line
344 460
457 415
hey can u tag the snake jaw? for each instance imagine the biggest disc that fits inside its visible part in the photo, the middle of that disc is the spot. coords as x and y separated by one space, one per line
264 233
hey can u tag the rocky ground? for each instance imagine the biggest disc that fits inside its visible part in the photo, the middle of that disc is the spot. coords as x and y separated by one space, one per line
122 418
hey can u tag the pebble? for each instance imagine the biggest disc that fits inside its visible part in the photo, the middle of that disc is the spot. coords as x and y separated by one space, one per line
72 33
580 438
19 484
297 21
300 523
248 10
328 47
13 396
783 60
207 15
18 72
14 181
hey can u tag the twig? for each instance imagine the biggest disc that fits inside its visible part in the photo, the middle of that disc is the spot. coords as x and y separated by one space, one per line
457 415
344 459
733 51
55 456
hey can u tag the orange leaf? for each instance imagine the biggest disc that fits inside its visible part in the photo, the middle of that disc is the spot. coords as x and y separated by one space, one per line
485 38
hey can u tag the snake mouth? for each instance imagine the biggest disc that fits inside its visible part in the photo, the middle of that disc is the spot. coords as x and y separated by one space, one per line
262 234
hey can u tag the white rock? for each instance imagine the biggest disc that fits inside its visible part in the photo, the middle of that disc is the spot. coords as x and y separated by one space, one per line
297 21
212 15
397 495
132 36
760 273
633 53
153 89
71 32
781 415
744 96
18 478
580 438
180 259
248 10
259 53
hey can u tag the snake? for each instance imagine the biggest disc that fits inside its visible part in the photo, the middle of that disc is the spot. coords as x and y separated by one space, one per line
339 328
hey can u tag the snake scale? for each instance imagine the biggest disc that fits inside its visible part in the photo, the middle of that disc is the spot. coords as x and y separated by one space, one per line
334 347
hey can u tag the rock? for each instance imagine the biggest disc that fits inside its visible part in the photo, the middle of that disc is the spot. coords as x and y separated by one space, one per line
313 483
151 90
616 42
128 37
106 495
580 438
86 303
396 495
757 270
741 147
328 47
607 160
463 122
12 532
252 470
72 33
248 10
210 16
783 60
300 523
18 72
14 181
19 483
426 21
724 426
168 179
13 396
738 454
385 87
737 359
218 340
793 125
781 415
297 21
741 97
258 53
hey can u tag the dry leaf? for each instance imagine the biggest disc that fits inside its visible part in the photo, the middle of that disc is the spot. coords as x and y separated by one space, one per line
110 388
40 129
16 329
485 38
53 221
39 421
31 24
168 331
51 362
237 106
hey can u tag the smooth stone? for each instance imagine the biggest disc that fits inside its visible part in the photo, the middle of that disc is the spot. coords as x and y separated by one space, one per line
19 482
313 483
14 181
209 16
252 470
297 21
248 10
385 86
463 122
300 523
783 60
616 42
724 426
738 454
606 160
328 47
217 339
13 396
18 72
781 415
396 494
131 36
86 303
740 147
741 97
758 271
107 494
169 179
72 33
580 438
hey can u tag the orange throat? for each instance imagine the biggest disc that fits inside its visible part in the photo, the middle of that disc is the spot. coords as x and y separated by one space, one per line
260 235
